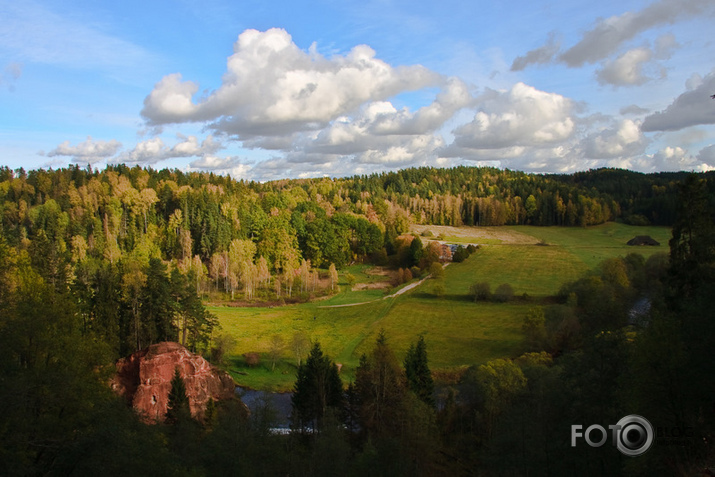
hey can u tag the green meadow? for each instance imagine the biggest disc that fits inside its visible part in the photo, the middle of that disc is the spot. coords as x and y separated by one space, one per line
458 332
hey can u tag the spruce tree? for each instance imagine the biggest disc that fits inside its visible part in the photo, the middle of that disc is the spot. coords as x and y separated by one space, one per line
380 389
317 388
178 405
419 377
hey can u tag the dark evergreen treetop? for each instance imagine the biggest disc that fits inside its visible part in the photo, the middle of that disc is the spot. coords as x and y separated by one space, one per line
419 376
178 405
317 389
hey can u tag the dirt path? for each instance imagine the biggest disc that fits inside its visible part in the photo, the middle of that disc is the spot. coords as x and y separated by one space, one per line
398 292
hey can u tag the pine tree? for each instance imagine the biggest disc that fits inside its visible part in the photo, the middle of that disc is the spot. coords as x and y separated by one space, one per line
317 388
419 377
178 406
195 322
380 389
157 306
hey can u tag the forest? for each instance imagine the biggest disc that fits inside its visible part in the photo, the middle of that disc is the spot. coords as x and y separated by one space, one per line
97 264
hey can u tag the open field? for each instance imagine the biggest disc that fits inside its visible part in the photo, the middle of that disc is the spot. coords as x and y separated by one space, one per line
458 332
591 245
476 235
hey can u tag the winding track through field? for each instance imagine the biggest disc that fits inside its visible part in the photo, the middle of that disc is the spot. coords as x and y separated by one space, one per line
398 292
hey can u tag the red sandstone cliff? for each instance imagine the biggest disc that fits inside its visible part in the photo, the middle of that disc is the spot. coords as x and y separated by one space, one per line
144 379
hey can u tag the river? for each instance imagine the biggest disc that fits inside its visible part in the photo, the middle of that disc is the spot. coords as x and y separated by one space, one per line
279 402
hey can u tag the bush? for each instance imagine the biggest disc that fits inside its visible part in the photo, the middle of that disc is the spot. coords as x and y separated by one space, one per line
223 345
439 289
503 293
252 359
416 272
380 257
436 270
400 278
460 254
480 291
472 248
427 233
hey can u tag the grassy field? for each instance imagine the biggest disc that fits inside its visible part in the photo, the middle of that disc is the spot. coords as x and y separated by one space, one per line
591 245
458 332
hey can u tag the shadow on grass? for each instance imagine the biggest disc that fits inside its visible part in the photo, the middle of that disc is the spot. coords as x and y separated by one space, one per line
521 299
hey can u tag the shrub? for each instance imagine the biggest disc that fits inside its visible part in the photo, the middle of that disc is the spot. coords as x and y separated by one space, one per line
223 345
400 278
252 359
480 291
472 248
503 293
416 272
427 233
436 270
460 254
439 289
380 257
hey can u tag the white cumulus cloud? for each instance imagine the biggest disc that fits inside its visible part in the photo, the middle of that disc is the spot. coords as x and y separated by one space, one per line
146 152
522 116
667 159
87 152
231 165
623 140
272 87
451 99
154 150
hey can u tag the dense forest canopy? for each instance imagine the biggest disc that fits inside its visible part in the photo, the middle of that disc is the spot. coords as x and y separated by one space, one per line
176 215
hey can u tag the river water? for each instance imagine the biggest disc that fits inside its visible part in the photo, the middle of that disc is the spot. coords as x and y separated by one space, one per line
279 402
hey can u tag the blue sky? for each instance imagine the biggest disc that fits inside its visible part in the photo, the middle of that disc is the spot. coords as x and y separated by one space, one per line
268 90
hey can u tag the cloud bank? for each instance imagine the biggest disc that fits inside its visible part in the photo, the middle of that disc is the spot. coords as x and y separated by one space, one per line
305 114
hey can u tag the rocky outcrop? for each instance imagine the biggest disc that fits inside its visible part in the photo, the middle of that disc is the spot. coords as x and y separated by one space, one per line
144 379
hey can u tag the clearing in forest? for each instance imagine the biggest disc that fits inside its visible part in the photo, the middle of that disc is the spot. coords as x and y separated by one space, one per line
535 261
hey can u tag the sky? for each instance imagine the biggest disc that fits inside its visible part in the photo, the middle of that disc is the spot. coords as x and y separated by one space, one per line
289 89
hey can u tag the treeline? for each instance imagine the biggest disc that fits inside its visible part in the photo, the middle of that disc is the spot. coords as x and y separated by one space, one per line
254 238
488 196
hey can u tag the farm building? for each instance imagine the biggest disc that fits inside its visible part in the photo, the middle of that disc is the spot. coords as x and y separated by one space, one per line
643 240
